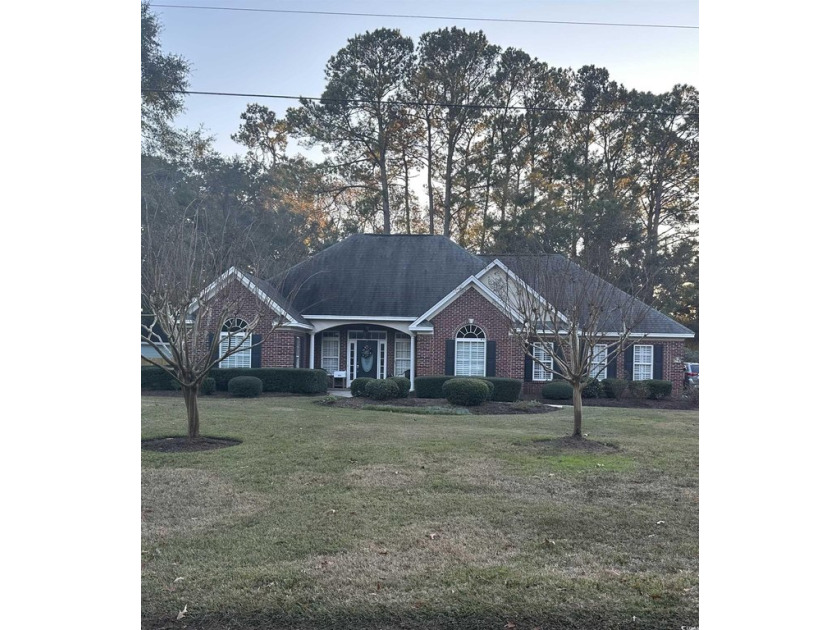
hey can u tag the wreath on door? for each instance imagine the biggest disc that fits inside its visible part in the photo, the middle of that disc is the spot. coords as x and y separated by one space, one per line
367 358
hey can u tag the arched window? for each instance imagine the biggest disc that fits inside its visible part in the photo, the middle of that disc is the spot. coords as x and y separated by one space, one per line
234 333
470 351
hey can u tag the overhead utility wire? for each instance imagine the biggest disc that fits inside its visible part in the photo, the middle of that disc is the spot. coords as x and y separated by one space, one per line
424 17
421 104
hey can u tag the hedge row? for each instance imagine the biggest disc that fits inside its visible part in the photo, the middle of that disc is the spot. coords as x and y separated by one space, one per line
609 388
466 392
245 386
654 389
156 378
501 389
381 389
288 380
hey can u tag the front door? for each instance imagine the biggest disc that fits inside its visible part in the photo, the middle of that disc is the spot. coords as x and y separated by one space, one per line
367 358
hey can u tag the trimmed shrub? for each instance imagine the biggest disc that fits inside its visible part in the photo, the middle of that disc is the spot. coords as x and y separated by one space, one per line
490 386
382 389
466 392
659 389
505 389
285 380
245 386
403 383
156 379
557 390
208 386
639 389
430 386
591 388
357 387
613 387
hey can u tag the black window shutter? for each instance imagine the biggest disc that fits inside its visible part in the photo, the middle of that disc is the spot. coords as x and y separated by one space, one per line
558 351
256 351
449 367
612 364
490 366
657 361
628 363
529 369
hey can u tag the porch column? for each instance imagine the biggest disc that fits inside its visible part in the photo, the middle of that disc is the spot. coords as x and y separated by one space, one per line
411 367
312 351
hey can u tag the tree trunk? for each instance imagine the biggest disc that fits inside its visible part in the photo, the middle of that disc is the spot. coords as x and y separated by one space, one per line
386 204
191 401
407 199
577 402
447 191
429 158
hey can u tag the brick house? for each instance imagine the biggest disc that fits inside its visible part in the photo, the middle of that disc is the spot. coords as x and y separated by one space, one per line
384 305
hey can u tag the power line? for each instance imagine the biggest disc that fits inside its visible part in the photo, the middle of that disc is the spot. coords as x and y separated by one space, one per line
425 17
420 103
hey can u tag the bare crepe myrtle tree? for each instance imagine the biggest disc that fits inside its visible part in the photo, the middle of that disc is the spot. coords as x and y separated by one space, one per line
567 312
190 289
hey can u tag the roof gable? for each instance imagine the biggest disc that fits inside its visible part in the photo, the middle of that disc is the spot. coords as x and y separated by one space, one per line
262 290
472 282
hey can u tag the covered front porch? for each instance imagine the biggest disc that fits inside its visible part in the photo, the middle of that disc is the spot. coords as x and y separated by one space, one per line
363 349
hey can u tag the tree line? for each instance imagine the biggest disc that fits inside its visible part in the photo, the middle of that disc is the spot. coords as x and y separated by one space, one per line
452 135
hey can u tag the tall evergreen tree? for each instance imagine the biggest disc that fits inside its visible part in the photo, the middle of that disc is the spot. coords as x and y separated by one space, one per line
455 67
355 120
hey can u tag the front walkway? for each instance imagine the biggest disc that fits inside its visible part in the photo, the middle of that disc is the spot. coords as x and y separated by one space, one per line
344 393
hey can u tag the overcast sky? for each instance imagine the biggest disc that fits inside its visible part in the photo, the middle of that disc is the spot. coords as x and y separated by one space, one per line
273 53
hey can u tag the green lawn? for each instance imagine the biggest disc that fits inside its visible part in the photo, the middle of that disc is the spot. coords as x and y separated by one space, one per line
338 518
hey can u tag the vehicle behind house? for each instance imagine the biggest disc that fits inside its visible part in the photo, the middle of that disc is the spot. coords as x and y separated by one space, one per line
692 374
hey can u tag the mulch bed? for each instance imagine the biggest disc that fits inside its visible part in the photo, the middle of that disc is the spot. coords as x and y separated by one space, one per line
487 408
637 403
184 444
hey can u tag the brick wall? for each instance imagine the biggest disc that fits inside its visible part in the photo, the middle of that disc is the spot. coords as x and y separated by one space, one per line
431 349
278 347
671 371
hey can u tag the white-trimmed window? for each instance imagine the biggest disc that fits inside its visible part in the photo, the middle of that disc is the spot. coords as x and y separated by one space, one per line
234 335
598 367
542 357
330 350
470 351
402 354
642 363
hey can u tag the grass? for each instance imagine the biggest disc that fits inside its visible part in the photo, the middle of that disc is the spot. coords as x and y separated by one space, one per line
333 518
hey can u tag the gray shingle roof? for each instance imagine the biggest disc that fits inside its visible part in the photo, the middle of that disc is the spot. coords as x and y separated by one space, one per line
380 276
275 295
645 319
402 275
